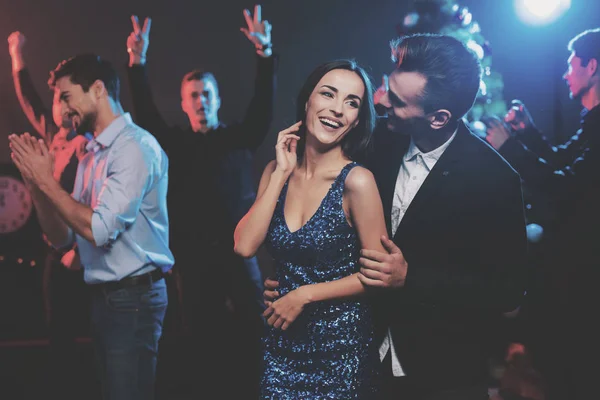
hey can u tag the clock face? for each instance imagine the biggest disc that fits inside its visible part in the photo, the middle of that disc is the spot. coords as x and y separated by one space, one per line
15 204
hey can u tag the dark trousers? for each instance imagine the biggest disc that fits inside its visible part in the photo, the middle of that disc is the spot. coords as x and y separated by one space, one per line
224 324
66 306
126 328
406 388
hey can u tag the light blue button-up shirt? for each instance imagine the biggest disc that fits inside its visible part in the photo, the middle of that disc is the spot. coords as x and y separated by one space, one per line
123 178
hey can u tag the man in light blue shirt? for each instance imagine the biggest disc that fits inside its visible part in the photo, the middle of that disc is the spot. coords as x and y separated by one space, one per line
118 217
124 178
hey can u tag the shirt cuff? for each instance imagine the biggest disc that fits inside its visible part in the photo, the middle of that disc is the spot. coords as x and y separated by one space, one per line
69 241
388 345
99 230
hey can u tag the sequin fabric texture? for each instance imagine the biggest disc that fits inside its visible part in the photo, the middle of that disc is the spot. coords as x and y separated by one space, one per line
328 352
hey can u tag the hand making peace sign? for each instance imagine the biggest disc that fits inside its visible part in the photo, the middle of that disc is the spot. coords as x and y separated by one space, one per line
258 31
138 40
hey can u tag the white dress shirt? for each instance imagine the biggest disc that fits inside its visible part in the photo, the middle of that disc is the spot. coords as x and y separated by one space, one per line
415 167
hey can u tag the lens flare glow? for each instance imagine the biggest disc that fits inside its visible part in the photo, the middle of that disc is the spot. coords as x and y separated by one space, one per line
540 12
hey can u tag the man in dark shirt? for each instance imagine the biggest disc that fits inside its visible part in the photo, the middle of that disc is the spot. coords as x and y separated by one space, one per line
213 160
64 291
570 175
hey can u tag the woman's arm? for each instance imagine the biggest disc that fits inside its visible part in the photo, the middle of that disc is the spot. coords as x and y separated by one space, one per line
364 207
251 231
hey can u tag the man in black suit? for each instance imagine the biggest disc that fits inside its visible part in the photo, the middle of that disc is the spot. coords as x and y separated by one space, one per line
454 210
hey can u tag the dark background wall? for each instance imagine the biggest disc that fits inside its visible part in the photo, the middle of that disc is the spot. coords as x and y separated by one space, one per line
187 34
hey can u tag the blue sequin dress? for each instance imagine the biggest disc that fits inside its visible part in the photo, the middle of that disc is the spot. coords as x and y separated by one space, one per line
328 352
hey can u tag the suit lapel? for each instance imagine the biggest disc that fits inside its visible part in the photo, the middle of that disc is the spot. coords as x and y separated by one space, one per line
391 160
439 179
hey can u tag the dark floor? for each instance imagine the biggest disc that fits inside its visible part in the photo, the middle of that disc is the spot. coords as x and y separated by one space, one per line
29 370
27 373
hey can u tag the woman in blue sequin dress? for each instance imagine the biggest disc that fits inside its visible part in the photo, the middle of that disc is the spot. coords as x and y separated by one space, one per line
315 209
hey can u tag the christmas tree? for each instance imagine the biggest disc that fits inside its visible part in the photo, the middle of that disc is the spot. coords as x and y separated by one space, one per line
448 18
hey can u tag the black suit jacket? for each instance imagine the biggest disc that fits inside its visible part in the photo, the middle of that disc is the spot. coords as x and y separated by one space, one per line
463 237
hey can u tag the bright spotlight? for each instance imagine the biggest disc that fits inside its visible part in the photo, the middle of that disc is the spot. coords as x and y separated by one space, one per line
539 12
542 9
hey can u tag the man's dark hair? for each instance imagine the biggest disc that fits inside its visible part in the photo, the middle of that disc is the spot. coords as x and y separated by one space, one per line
84 70
586 46
452 71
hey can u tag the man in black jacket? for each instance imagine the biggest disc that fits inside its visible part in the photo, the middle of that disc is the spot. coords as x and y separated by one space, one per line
454 208
213 160
570 175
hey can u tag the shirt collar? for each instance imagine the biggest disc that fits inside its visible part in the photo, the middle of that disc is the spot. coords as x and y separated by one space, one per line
110 133
63 136
429 158
589 114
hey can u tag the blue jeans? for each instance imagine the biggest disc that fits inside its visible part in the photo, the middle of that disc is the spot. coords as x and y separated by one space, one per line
126 327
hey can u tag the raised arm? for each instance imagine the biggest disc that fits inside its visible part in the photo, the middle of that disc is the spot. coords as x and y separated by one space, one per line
145 111
31 103
558 156
251 231
259 114
565 185
519 121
